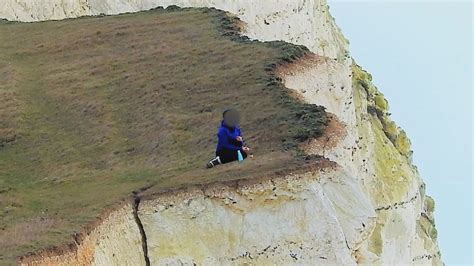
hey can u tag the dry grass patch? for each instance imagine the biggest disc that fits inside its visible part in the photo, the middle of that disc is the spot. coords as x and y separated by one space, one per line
109 105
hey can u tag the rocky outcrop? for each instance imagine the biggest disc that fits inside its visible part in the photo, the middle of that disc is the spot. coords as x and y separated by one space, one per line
374 149
368 207
289 220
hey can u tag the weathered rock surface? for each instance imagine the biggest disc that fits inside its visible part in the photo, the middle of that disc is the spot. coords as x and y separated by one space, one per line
367 208
285 220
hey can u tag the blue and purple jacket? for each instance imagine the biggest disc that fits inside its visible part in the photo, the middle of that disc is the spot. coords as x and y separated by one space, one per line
227 138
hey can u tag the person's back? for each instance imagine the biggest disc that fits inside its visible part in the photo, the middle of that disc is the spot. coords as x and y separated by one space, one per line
230 142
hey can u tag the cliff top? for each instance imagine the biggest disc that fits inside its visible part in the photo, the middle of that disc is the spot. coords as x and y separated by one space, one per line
96 108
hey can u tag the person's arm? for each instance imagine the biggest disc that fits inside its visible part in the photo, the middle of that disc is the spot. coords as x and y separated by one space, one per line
239 141
243 145
227 141
236 142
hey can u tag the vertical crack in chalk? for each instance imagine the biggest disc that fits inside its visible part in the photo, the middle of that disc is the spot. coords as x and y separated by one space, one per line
141 229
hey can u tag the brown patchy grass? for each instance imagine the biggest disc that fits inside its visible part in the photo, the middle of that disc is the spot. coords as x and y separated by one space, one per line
95 108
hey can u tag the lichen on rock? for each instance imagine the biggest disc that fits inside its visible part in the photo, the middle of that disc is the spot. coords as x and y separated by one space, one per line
378 105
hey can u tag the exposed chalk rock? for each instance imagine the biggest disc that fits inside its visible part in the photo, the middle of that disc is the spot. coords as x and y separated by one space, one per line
292 220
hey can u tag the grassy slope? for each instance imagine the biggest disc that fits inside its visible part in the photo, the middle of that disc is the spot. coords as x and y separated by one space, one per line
92 109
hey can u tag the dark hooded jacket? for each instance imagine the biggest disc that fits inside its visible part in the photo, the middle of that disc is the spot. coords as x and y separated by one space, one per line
227 138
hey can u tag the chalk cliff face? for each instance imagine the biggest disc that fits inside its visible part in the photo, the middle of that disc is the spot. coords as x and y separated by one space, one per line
366 207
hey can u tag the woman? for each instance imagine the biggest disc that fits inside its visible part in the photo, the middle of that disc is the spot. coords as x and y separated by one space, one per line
230 142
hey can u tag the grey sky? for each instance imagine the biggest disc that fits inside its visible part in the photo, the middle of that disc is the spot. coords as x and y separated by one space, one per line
420 56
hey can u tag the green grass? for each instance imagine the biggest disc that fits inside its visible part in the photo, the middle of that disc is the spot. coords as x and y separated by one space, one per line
94 108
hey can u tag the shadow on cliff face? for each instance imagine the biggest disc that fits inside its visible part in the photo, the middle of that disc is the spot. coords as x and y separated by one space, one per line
103 106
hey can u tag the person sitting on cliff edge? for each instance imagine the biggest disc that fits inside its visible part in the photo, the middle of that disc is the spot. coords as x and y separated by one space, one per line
230 145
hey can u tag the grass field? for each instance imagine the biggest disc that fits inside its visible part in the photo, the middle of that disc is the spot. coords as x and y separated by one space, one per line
94 108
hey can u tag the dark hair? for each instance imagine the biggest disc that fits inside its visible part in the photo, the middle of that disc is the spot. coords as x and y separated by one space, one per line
226 111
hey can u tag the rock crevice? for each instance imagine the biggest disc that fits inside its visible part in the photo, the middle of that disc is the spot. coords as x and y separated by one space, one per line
136 205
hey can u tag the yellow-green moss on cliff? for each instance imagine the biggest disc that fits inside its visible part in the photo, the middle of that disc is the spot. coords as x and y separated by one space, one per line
388 143
378 105
395 182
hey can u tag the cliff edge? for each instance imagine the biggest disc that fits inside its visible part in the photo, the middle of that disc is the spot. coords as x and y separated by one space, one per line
363 203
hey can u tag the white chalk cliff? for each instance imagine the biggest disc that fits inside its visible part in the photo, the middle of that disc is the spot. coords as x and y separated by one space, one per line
368 207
